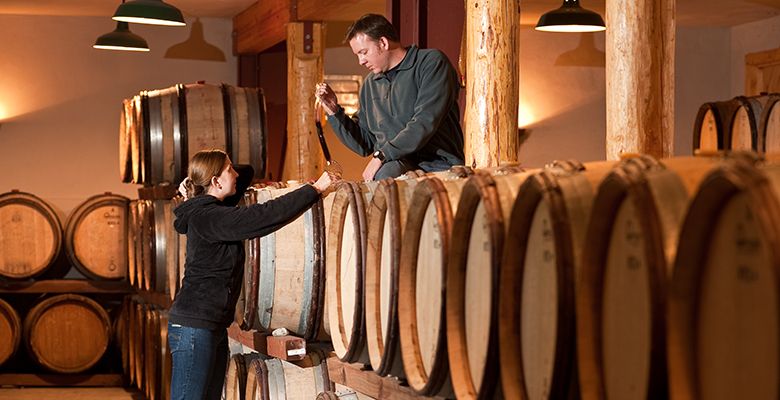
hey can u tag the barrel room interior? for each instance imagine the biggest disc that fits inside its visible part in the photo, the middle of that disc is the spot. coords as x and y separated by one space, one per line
390 199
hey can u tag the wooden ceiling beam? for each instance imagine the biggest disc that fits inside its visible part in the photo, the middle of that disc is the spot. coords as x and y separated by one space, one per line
337 10
263 24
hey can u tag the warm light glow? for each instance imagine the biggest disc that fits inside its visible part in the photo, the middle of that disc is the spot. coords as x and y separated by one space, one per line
149 21
571 28
525 116
3 112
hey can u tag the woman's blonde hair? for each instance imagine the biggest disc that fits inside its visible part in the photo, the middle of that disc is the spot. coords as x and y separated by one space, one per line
204 165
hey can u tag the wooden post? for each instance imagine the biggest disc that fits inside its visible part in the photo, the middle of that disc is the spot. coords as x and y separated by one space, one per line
303 158
640 77
492 87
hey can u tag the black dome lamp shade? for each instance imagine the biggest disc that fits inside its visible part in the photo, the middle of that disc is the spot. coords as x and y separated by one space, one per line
121 39
570 17
153 12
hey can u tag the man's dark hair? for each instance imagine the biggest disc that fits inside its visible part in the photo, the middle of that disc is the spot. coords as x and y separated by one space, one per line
374 26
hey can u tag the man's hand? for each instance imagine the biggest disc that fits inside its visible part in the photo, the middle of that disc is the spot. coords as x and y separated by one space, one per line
327 97
371 168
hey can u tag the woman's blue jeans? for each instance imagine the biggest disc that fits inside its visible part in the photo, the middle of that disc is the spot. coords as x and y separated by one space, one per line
200 358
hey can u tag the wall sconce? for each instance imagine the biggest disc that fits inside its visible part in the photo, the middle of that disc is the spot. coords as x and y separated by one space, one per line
121 39
570 17
153 12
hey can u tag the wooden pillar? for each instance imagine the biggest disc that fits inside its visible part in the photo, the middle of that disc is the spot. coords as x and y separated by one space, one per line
640 77
303 158
492 88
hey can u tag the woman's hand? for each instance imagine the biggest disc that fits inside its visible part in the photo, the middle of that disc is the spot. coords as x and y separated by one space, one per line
183 188
326 182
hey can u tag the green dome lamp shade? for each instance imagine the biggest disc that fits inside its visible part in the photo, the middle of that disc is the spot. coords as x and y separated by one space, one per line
121 39
570 17
153 12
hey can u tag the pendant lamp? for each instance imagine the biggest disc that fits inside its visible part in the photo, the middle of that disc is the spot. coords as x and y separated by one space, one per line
153 12
121 39
570 17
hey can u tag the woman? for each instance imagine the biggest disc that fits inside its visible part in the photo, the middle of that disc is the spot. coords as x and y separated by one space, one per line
215 229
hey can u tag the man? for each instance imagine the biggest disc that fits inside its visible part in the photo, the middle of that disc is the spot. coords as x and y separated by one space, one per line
408 117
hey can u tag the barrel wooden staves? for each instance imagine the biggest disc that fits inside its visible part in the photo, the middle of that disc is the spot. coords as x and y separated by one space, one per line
743 132
137 343
769 130
10 331
291 272
631 242
541 259
422 283
30 235
236 376
159 249
170 125
166 358
135 136
246 309
345 257
386 221
735 124
151 354
132 230
156 357
55 331
122 334
126 134
275 379
472 300
96 237
166 249
709 127
140 248
724 301
181 248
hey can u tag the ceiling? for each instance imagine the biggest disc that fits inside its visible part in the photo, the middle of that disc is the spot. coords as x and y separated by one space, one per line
689 12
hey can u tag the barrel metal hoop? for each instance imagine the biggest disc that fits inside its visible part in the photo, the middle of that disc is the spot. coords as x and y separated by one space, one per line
228 112
182 149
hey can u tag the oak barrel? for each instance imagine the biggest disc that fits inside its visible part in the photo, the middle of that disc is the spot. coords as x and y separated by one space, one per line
246 307
157 247
96 237
724 300
743 133
132 231
422 283
472 281
291 271
709 127
151 354
275 379
30 235
56 332
631 241
170 125
345 258
137 343
541 260
237 374
166 249
126 135
10 331
386 221
769 130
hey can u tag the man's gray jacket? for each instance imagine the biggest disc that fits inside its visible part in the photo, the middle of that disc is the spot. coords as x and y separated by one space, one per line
414 116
